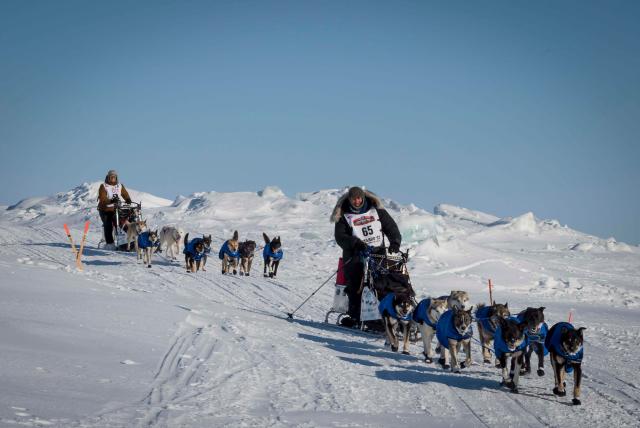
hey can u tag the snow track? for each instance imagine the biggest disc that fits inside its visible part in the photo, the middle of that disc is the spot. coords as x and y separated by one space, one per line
232 358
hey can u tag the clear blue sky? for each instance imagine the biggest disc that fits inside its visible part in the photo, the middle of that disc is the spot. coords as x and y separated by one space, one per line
504 107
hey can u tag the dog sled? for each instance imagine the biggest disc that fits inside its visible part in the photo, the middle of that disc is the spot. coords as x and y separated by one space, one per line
125 214
383 274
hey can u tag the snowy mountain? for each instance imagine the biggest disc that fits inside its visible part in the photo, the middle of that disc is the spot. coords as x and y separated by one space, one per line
119 344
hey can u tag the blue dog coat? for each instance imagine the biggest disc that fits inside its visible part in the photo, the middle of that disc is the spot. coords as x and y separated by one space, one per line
553 342
386 306
445 330
483 316
266 253
500 346
145 242
225 250
420 313
190 249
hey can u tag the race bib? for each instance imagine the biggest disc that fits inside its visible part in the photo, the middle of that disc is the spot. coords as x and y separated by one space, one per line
112 190
366 227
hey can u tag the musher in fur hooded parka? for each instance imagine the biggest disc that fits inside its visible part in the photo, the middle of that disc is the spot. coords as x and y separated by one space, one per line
344 232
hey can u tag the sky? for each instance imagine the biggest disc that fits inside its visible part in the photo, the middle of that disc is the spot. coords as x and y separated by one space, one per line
504 107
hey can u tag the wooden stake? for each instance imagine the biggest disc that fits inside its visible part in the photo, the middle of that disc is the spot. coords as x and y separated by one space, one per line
490 293
73 246
84 238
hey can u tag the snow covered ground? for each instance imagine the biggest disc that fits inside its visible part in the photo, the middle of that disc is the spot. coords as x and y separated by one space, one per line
123 345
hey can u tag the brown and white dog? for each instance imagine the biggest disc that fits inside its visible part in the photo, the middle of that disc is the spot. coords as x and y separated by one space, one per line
396 311
246 250
426 316
458 299
488 319
133 230
170 237
230 263
454 332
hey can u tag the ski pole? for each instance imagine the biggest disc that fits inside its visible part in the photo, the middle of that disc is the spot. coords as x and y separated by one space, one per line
79 255
290 314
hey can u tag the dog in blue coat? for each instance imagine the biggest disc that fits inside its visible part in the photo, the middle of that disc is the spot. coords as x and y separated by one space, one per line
536 331
147 243
272 254
453 331
510 341
395 310
426 316
488 319
565 345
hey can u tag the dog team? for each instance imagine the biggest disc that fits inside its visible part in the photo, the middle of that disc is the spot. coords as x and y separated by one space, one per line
515 338
236 256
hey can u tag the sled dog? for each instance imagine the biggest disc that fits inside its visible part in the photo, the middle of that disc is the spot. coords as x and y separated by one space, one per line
272 254
170 237
488 319
146 245
510 342
396 311
229 254
426 316
565 345
133 230
247 250
536 330
193 253
454 332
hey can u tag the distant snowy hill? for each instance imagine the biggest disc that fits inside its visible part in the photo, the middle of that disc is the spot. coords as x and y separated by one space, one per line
119 344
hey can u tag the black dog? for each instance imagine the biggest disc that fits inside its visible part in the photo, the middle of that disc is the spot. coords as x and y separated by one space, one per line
246 250
536 331
510 341
565 345
272 254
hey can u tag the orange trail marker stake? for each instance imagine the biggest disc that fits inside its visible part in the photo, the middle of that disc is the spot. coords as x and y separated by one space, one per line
84 238
570 316
490 293
73 246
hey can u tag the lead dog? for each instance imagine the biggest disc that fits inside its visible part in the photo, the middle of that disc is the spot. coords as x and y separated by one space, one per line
565 345
426 316
272 254
510 342
246 250
454 332
170 237
488 319
396 313
229 254
536 331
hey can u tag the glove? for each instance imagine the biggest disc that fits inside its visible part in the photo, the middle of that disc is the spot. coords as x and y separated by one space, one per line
394 248
115 198
360 246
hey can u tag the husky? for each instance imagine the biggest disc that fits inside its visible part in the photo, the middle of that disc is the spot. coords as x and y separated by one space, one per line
565 345
536 331
206 241
133 230
246 250
458 299
193 253
395 310
146 245
510 341
454 331
229 254
170 237
426 316
272 254
488 318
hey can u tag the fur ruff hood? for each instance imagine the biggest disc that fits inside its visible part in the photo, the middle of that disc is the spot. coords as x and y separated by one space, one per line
340 207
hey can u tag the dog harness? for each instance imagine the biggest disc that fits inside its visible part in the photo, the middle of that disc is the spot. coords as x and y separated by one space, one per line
445 330
483 315
225 250
421 313
267 253
366 227
500 346
555 342
190 250
386 306
145 242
